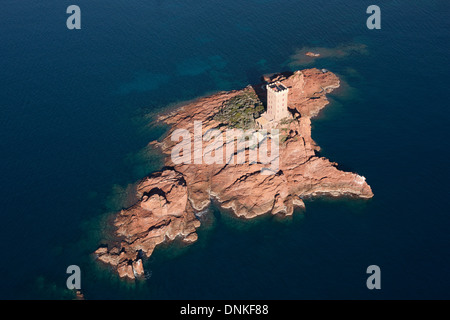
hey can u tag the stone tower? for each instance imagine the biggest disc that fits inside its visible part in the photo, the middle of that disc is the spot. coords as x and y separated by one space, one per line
277 99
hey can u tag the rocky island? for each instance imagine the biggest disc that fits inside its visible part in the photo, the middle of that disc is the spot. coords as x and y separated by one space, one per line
170 199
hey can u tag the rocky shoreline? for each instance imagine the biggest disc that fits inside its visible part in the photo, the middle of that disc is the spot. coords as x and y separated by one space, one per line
170 198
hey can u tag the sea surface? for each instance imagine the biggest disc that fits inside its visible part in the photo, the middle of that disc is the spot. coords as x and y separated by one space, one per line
74 114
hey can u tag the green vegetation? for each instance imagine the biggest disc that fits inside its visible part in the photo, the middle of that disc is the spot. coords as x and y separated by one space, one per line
241 111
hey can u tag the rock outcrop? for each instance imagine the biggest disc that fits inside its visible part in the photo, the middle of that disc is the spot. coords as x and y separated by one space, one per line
170 199
312 54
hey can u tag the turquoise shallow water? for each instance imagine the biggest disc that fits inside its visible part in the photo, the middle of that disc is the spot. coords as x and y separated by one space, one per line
73 130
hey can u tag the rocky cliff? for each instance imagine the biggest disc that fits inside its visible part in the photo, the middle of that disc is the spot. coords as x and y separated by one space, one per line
170 199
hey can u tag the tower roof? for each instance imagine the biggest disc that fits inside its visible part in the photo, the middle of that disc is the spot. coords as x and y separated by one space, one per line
277 86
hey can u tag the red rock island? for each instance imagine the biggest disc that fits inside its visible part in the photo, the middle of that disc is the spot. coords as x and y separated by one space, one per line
169 199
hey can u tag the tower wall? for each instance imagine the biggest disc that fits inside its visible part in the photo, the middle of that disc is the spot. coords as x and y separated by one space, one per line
277 101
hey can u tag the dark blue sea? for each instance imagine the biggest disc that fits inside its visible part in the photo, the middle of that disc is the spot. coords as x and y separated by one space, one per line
74 114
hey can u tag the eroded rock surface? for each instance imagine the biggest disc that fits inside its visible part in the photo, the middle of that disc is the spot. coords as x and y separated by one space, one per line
170 198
